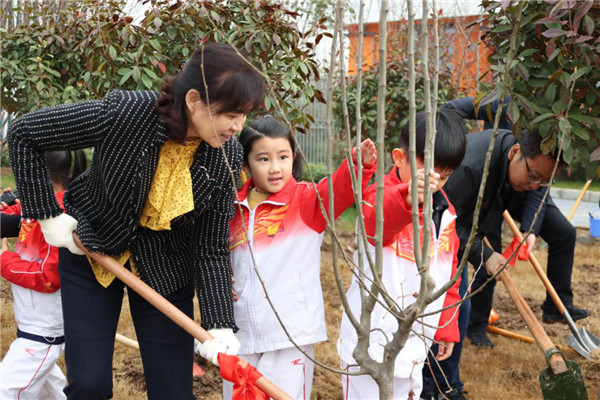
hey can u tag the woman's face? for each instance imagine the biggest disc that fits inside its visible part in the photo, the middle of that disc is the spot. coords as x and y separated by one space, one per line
212 127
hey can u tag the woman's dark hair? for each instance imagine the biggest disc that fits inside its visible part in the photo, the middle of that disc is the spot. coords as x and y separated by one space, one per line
64 166
272 128
531 146
450 139
232 85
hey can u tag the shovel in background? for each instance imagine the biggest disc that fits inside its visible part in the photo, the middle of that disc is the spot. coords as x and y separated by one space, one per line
527 339
582 340
585 188
175 314
562 380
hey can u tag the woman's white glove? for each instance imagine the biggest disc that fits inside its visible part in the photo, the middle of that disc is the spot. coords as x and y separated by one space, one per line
224 342
58 232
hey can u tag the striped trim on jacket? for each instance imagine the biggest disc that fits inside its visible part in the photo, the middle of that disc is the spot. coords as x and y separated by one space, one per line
107 199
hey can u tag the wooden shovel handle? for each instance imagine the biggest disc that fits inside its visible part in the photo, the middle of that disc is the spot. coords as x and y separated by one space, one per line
526 339
555 361
168 309
585 188
127 341
536 265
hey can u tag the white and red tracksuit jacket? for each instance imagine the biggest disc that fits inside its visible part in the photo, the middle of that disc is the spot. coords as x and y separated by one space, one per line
402 281
285 232
32 271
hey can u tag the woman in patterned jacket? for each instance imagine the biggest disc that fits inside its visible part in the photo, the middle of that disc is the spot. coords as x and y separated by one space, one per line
158 198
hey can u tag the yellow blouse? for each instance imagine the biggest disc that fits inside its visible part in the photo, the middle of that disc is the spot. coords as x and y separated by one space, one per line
170 196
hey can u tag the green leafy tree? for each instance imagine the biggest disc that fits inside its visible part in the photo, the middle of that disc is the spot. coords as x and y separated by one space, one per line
555 78
81 49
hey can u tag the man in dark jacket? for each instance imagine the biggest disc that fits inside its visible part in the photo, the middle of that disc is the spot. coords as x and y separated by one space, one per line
527 210
515 169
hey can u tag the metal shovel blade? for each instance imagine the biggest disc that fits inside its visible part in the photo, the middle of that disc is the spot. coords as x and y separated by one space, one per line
566 386
583 342
578 347
590 338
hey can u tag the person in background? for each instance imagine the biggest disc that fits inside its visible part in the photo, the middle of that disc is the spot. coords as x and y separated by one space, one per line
280 221
516 169
560 252
158 198
29 370
400 274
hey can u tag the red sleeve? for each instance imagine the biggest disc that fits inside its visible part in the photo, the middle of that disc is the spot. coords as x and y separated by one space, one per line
15 209
39 276
396 212
449 333
342 191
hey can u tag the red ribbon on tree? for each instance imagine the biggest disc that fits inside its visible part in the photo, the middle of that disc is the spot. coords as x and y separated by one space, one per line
523 254
243 378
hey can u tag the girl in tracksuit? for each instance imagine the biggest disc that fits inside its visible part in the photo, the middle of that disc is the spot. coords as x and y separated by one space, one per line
280 220
29 370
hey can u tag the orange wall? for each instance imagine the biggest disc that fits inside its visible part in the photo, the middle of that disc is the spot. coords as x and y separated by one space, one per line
464 56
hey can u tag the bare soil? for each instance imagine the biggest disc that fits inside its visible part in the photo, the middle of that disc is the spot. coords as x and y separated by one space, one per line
509 371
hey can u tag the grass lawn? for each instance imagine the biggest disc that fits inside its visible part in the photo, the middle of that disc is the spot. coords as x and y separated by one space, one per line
594 187
347 221
7 180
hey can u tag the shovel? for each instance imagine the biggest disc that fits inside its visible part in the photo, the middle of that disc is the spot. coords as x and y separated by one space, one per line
172 312
562 380
585 188
527 339
582 340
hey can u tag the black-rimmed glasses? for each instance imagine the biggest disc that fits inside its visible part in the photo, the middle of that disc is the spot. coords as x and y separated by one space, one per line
537 181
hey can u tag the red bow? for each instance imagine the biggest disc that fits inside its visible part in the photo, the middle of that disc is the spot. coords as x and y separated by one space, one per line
243 378
523 254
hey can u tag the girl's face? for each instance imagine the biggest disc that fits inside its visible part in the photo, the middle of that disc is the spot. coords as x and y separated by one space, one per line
213 128
270 163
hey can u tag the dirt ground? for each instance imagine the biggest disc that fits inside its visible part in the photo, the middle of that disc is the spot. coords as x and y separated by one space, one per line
509 371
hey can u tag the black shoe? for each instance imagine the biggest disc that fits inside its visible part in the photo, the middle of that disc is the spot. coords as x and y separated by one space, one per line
453 394
480 338
552 316
428 396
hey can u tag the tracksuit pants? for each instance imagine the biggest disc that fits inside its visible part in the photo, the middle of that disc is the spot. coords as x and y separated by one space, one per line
29 371
288 368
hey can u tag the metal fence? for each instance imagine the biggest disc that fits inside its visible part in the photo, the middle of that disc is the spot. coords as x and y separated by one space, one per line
314 142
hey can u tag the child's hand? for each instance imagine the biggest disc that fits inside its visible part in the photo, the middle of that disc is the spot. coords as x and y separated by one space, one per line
433 182
444 350
368 153
4 245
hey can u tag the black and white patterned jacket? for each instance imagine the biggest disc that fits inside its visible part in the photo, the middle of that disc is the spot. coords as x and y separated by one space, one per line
108 198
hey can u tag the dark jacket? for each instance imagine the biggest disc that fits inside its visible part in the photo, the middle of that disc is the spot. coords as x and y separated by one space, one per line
487 114
463 186
108 198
